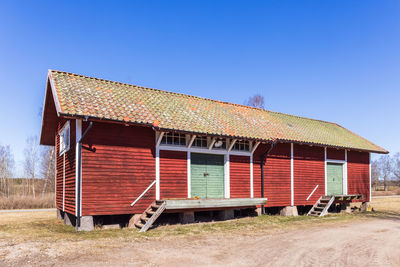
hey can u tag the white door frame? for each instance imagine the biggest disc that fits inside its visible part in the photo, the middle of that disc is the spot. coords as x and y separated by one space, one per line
344 163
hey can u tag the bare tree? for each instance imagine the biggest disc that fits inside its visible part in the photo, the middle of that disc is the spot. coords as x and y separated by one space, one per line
32 160
384 169
6 169
396 166
256 101
375 173
48 168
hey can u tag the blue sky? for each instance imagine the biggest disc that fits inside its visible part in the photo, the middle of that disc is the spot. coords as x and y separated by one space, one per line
331 60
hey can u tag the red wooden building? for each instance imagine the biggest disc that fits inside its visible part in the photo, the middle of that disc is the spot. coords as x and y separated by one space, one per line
122 147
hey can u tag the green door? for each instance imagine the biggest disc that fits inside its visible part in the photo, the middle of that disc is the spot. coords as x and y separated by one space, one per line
335 178
207 175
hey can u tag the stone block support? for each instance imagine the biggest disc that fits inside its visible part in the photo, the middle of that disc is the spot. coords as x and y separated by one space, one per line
186 217
135 218
225 214
345 208
87 224
69 219
365 206
289 211
60 214
259 211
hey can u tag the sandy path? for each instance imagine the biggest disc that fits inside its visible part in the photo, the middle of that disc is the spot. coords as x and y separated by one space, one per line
366 243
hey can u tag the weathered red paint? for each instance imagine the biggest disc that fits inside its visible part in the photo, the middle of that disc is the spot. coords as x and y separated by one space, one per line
336 154
358 173
173 174
239 169
118 164
276 174
309 171
69 202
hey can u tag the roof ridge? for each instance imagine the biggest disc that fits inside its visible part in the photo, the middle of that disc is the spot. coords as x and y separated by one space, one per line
199 97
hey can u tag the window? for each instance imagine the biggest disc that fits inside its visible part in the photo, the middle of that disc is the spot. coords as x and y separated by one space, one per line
241 145
220 143
175 139
65 138
200 141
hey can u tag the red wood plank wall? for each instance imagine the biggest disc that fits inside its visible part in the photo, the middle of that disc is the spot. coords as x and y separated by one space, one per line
69 171
309 171
358 173
118 164
337 154
173 174
277 174
239 169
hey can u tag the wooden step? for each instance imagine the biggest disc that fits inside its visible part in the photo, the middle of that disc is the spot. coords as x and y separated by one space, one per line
150 212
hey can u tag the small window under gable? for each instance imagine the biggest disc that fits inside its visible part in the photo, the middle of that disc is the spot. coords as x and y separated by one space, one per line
220 143
200 141
65 137
175 139
241 145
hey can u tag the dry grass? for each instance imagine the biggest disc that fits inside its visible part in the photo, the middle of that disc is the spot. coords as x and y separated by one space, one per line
388 205
27 202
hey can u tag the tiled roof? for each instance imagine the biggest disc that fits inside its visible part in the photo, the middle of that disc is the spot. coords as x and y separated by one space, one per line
96 98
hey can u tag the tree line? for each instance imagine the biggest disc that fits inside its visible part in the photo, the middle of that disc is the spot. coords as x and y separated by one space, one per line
38 169
386 169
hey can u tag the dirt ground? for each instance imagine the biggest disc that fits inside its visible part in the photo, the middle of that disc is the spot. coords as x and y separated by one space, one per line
338 240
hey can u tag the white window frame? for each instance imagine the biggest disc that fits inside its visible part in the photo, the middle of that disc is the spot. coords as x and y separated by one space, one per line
64 147
189 148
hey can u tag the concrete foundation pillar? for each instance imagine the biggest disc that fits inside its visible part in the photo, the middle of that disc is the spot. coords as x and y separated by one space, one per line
259 211
345 208
60 214
68 218
225 215
289 211
87 224
135 218
365 206
186 217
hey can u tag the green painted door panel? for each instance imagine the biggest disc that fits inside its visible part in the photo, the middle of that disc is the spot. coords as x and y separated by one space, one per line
207 175
335 178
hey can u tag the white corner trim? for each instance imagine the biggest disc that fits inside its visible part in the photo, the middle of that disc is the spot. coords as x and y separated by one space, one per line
345 181
212 143
326 172
191 141
226 176
253 149
251 177
78 135
291 174
157 173
159 138
231 145
370 179
63 200
189 185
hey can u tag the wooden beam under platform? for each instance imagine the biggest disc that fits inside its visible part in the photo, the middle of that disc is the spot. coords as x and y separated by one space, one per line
201 204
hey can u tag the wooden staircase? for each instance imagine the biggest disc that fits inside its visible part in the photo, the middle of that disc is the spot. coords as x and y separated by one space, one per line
321 207
150 215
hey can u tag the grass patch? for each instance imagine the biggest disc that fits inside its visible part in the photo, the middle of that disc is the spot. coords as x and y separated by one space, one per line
27 202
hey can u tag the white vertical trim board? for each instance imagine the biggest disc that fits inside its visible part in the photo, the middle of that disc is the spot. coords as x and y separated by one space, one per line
291 174
227 176
63 200
326 172
251 177
157 173
189 185
78 135
370 178
345 173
